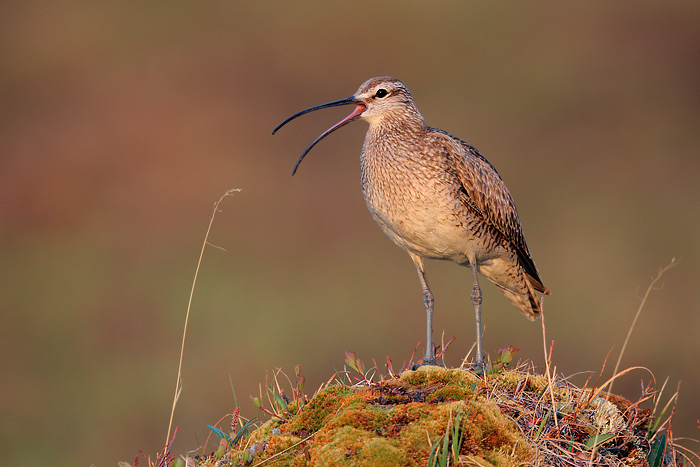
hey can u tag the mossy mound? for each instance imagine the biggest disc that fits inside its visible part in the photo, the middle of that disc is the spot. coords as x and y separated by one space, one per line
396 422
510 418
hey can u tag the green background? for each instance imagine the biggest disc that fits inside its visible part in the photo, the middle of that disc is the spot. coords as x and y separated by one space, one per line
123 122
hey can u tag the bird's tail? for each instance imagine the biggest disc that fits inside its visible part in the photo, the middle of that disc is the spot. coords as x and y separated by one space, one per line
517 284
525 298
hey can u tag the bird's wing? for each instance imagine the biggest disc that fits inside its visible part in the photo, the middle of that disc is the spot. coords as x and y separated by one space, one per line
488 196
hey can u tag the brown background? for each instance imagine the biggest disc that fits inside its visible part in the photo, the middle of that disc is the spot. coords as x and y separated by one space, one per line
123 122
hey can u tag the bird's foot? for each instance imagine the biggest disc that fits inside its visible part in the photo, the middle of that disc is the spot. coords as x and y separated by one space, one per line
478 367
427 362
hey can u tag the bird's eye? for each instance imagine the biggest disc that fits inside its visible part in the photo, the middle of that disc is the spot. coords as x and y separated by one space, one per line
381 93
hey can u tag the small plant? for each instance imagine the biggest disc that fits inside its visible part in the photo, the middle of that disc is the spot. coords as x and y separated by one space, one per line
243 432
163 459
656 453
231 447
281 407
448 446
596 440
356 363
503 359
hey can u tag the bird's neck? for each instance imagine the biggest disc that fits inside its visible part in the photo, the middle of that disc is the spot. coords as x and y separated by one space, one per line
406 126
392 140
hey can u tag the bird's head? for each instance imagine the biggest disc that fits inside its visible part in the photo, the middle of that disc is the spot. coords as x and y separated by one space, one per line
377 100
385 99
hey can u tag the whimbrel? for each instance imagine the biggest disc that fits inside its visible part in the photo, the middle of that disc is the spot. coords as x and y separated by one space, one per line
437 197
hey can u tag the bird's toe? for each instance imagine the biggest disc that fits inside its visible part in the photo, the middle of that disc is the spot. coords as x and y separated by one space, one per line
430 362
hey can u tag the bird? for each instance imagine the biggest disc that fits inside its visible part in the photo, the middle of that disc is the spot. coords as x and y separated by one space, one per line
435 196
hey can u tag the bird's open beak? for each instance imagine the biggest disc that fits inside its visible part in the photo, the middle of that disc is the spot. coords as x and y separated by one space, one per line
353 116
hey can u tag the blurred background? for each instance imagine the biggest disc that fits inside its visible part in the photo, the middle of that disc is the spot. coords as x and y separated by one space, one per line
123 122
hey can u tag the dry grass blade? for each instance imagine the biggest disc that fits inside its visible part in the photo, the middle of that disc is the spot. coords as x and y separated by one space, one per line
547 362
609 382
639 311
178 384
288 449
629 334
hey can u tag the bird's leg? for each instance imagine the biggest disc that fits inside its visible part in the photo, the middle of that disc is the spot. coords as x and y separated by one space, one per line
428 303
476 301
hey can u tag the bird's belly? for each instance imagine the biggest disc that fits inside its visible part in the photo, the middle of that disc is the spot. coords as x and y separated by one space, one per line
430 230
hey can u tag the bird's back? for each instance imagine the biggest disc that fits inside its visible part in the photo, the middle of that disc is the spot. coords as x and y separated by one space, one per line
488 194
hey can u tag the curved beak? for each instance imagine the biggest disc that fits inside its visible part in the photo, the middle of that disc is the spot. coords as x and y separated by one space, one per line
361 107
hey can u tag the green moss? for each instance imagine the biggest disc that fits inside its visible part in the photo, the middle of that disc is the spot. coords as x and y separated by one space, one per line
365 418
314 414
450 392
350 446
498 459
415 378
441 385
265 430
427 375
533 382
286 449
493 432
